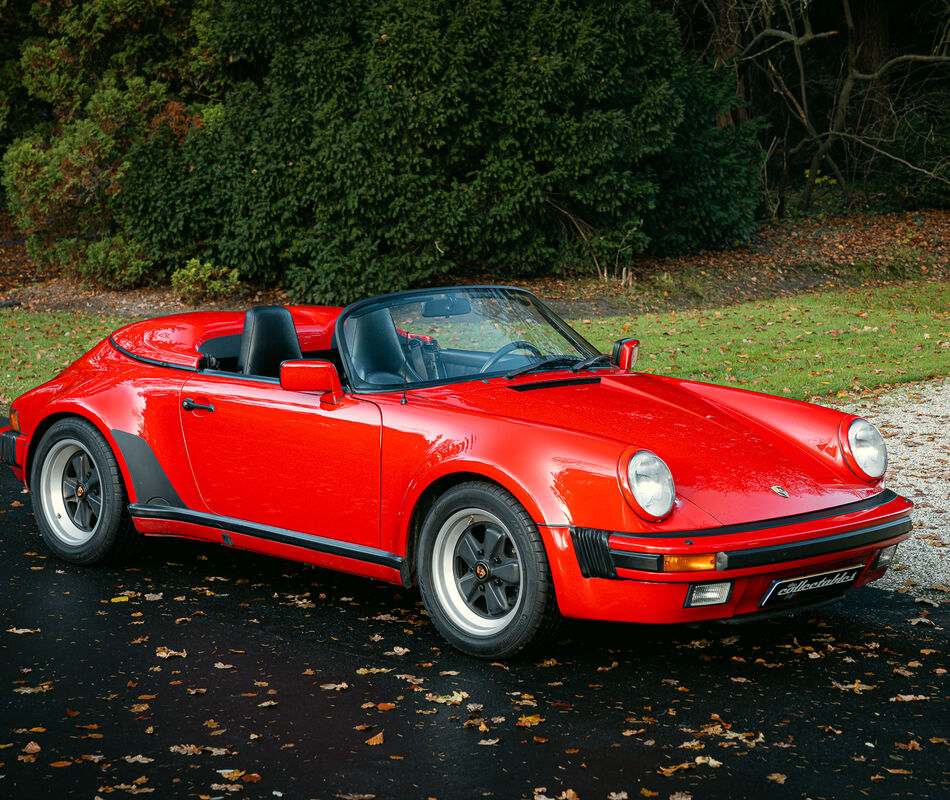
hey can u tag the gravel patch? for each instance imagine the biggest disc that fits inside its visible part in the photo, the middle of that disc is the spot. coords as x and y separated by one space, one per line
915 423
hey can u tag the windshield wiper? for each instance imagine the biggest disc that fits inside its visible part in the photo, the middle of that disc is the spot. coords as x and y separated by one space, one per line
589 362
544 363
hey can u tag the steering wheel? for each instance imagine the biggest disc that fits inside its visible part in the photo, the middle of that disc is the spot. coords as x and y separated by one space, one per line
504 350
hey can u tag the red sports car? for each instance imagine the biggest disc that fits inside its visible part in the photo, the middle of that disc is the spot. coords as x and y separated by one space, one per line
467 440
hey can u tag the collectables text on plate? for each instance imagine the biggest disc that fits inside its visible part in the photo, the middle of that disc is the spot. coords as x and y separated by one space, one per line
812 586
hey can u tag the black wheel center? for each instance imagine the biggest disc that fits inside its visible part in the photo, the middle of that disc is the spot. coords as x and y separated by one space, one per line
482 570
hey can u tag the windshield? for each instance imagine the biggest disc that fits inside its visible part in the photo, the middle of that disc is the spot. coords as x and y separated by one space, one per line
447 335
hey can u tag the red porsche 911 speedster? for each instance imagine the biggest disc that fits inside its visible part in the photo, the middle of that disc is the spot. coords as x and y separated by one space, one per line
465 439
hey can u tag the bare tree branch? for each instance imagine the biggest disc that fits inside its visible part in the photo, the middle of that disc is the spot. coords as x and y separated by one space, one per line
785 36
865 143
873 76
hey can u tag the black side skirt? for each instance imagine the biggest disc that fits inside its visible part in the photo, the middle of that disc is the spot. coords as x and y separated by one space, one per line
229 525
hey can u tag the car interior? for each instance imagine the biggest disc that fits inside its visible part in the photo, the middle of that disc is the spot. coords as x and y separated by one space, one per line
270 336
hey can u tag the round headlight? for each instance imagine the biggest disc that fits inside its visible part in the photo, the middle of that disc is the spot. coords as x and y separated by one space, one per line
867 448
651 483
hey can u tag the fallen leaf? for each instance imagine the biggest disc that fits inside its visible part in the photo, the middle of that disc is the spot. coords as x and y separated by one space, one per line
23 630
186 749
165 652
375 740
777 777
222 665
668 771
857 687
453 699
529 721
335 687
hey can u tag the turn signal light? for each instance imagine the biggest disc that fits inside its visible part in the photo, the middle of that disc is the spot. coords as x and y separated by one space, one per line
14 420
689 563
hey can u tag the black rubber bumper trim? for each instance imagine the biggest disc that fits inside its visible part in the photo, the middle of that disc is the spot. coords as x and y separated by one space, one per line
773 554
318 544
792 551
647 562
592 548
8 441
880 499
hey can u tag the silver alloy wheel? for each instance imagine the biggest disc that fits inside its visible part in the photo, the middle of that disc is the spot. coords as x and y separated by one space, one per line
71 492
477 570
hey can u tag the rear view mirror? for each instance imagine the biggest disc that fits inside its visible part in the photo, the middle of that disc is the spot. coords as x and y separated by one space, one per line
625 353
319 377
451 306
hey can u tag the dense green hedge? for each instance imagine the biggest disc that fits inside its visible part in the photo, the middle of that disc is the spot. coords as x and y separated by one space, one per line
709 185
345 148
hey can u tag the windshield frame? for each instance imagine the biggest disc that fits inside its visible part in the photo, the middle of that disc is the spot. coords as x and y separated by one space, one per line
358 386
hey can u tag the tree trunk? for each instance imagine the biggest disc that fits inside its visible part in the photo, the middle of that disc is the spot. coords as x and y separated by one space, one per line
873 38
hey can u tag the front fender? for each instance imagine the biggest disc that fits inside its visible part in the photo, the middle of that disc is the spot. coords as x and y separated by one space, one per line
134 406
561 477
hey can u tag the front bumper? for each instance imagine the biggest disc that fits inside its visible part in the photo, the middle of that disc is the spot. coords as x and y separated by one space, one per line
619 576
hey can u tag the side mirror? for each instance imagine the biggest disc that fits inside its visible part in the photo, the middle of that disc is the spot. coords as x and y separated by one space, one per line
319 377
625 353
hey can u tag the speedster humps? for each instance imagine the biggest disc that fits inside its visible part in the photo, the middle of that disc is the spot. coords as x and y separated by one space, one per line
466 440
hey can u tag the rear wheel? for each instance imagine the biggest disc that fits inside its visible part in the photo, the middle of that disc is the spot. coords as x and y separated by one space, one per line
79 498
483 572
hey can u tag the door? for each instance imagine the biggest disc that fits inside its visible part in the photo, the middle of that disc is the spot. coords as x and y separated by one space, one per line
275 457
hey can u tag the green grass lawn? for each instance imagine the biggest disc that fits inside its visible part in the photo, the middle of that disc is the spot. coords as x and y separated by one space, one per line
34 347
810 345
805 346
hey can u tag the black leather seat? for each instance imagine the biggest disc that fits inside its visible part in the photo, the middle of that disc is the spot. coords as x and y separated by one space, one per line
269 338
375 349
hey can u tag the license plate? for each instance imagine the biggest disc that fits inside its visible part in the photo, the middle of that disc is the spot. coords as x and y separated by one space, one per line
806 588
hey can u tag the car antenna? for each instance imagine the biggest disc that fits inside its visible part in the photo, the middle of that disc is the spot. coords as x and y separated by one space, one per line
405 371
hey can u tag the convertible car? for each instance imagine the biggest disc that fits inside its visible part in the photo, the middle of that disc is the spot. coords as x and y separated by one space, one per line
466 440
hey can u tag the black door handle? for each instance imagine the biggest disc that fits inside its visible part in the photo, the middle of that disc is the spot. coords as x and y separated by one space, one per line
190 405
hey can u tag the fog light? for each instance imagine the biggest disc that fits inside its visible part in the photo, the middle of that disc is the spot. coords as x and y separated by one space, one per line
885 557
689 563
708 594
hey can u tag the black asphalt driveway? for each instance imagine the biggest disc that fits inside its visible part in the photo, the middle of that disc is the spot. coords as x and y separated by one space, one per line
200 672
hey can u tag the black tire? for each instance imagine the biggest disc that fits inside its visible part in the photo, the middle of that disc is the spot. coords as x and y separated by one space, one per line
484 574
79 498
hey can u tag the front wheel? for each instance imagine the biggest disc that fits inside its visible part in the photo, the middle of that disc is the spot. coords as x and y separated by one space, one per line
483 572
79 498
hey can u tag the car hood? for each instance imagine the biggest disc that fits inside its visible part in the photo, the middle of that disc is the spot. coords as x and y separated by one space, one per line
722 460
